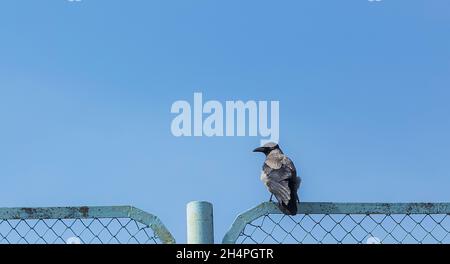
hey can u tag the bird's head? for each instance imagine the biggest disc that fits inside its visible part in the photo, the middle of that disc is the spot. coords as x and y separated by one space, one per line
268 148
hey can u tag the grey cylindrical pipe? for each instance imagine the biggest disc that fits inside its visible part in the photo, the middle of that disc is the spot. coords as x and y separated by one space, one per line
200 227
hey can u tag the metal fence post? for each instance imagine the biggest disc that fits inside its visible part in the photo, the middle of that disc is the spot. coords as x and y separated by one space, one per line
200 228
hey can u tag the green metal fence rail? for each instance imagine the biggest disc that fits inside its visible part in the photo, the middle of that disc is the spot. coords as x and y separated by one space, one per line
360 223
84 225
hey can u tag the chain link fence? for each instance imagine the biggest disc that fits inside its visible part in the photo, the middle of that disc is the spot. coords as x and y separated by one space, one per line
81 225
330 223
316 223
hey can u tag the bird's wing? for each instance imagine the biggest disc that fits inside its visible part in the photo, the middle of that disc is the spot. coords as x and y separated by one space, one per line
281 174
280 190
289 164
277 181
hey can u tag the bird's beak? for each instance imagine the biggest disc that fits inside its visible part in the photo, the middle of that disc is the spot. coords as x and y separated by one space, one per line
260 149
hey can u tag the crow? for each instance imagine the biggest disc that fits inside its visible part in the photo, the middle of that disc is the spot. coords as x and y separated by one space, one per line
280 177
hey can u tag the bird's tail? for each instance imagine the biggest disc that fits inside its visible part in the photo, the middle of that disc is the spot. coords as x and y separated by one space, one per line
291 207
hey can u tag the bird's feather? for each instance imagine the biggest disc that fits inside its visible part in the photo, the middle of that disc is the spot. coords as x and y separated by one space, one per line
280 190
277 182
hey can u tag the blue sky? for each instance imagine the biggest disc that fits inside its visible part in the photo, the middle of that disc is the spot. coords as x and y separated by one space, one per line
86 90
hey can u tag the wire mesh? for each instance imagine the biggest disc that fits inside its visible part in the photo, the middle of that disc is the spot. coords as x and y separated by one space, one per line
76 231
347 229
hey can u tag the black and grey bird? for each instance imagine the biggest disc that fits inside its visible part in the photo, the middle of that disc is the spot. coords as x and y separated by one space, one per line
280 177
